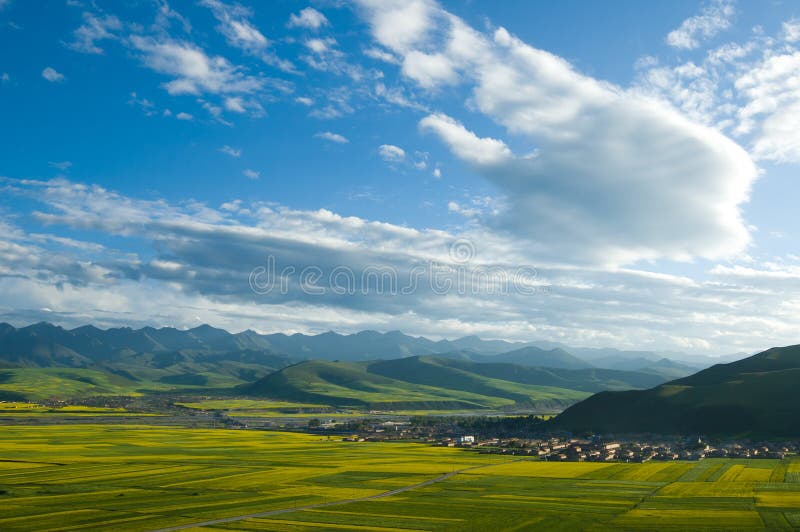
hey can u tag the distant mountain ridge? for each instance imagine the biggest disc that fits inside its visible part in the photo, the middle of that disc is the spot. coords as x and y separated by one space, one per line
209 356
164 358
753 397
92 342
43 344
422 382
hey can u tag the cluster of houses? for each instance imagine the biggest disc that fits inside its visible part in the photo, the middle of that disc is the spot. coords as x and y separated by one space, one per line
598 450
561 449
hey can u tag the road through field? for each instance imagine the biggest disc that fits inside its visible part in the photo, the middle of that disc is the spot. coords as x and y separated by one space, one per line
269 513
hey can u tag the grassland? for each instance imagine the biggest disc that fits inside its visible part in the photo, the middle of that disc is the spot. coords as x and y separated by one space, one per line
358 385
113 477
27 410
265 408
37 384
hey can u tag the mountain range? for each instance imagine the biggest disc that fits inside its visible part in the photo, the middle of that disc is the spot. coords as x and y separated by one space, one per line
45 345
603 390
167 358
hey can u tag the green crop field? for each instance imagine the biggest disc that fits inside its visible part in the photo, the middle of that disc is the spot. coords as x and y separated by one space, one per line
115 477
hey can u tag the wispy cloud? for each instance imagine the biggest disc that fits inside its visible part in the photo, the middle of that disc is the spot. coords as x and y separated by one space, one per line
333 137
60 165
194 71
95 28
251 174
713 19
236 27
240 32
233 152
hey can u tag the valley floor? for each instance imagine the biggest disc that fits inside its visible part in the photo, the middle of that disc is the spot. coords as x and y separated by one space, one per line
142 477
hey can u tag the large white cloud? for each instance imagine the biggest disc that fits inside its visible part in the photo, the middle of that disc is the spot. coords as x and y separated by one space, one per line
608 174
196 262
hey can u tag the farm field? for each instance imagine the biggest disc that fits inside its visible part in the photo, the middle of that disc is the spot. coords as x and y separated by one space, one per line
136 477
264 408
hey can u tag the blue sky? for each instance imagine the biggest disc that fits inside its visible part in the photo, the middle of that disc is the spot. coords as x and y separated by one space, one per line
642 157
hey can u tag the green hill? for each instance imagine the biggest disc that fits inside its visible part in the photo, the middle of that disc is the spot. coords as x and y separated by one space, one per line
753 397
438 383
44 383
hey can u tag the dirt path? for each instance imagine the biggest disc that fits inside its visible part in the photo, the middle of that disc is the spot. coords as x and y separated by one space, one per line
321 504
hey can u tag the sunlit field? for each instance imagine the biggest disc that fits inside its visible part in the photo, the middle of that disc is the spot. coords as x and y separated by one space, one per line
147 478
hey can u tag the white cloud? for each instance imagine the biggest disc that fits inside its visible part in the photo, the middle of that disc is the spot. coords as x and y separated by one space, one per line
748 89
51 75
320 46
713 18
437 173
610 166
381 55
308 102
399 24
235 104
326 57
465 144
204 255
184 116
391 153
193 71
233 152
772 109
468 212
60 165
235 26
95 28
251 174
333 137
165 16
148 107
308 18
791 30
429 70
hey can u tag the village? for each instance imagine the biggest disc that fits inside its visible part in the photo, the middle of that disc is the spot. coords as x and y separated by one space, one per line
565 448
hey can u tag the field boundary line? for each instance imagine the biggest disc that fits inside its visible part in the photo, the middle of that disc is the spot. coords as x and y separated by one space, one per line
280 511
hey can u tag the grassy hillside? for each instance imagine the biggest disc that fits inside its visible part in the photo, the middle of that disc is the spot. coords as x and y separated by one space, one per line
756 396
350 384
45 383
434 382
35 384
584 379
